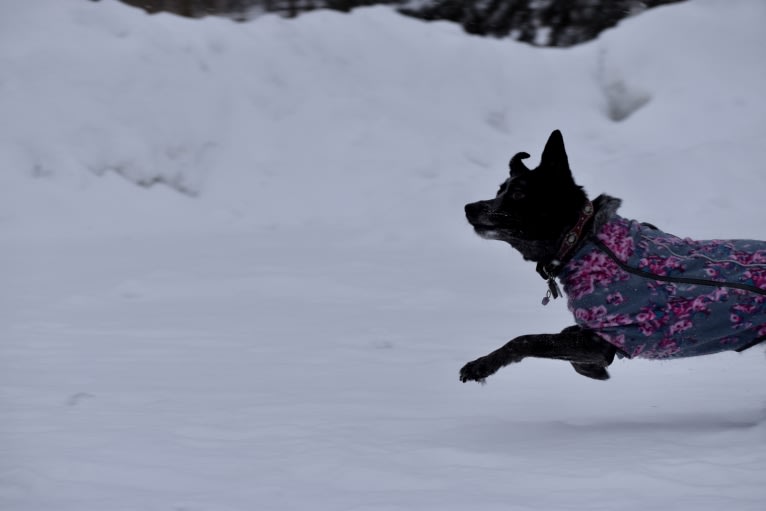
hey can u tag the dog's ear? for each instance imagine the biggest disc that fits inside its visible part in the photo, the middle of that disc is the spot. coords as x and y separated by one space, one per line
517 166
554 158
554 154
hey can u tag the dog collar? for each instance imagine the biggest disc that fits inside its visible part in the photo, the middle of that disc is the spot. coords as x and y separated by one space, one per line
548 271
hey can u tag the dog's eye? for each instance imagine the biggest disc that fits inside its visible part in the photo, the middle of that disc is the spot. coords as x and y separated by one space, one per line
517 195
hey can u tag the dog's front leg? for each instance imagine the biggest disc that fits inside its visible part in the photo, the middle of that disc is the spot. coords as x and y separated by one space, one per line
588 353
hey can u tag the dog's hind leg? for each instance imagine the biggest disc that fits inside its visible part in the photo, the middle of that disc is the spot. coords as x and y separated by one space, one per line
588 353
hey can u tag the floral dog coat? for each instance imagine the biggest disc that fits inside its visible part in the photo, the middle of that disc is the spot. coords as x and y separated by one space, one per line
654 295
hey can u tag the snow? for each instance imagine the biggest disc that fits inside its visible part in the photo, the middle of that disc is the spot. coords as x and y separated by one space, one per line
276 318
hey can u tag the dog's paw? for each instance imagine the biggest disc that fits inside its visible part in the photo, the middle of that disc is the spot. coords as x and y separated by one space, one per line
594 371
479 369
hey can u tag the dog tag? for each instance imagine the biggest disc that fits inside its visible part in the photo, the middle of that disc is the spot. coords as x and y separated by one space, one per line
553 288
553 291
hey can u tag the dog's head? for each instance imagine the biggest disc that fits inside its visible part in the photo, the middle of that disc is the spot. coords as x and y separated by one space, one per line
532 208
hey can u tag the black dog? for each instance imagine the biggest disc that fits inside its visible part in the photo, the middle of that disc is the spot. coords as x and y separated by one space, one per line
634 290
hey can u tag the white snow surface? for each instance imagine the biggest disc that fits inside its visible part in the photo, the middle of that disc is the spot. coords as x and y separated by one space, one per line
277 323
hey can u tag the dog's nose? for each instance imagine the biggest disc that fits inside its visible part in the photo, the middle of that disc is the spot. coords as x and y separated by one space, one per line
473 210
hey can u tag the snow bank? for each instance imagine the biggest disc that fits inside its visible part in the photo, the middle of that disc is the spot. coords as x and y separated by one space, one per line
362 119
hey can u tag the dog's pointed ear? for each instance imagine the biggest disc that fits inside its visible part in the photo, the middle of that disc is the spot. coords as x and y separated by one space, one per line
554 158
554 154
517 166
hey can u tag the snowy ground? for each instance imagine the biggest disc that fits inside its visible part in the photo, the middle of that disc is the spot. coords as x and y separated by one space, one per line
278 322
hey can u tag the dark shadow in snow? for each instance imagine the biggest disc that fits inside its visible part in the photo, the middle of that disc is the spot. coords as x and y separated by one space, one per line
622 101
175 182
693 423
517 437
622 98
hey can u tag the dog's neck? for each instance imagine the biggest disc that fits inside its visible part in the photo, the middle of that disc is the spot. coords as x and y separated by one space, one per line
592 217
